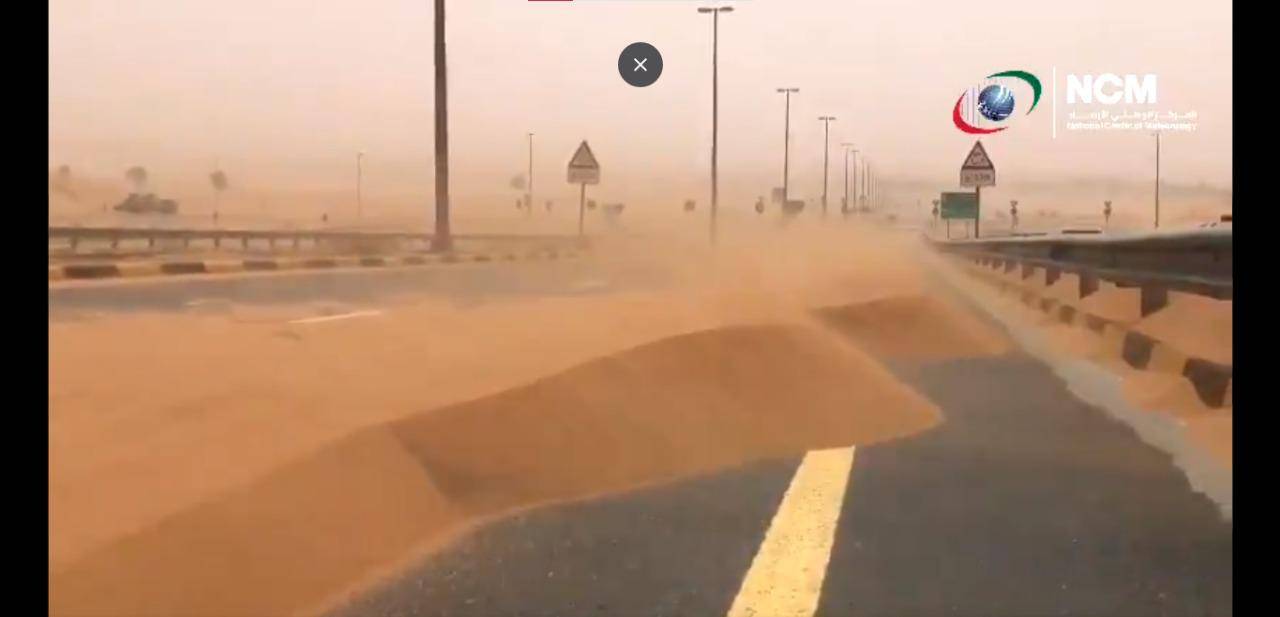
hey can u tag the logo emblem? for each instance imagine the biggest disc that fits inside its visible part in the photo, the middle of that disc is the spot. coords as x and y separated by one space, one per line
994 103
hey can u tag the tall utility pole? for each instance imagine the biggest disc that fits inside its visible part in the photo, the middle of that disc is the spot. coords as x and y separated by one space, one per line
529 197
715 107
1157 179
786 148
862 194
873 191
826 133
443 241
359 178
856 177
871 186
844 208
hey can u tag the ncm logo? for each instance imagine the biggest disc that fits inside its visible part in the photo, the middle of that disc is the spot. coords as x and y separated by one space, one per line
1107 89
992 102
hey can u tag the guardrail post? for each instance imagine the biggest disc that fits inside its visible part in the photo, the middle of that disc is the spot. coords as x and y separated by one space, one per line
271 242
1027 270
244 242
1051 275
1153 298
295 243
186 242
1008 266
151 242
217 242
1088 284
115 242
74 241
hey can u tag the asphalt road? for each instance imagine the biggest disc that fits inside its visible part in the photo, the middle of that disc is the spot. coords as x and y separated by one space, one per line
464 283
1025 501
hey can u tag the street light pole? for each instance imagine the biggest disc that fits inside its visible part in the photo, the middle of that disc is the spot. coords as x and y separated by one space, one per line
844 207
529 202
786 148
359 178
715 108
862 190
871 186
442 241
1157 179
826 148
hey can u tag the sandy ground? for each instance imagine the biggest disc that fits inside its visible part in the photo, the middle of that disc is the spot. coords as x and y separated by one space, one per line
229 462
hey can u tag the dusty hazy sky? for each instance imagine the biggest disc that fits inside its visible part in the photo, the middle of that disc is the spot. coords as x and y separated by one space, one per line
285 91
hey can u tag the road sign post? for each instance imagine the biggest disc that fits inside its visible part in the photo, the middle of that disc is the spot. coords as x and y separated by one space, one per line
977 209
977 172
582 207
584 170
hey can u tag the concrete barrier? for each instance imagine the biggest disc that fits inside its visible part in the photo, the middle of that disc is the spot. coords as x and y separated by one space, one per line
1211 380
124 269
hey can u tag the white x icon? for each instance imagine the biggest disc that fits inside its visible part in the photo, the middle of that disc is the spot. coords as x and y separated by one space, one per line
640 64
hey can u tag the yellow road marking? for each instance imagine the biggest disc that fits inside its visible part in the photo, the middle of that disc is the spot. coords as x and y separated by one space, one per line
785 578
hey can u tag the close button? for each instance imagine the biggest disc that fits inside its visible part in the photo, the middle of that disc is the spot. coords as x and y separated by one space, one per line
640 64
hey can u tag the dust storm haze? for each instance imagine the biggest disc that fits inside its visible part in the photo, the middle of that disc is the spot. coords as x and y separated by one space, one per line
653 360
282 94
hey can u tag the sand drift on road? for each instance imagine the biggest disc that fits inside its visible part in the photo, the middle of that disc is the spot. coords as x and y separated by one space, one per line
692 380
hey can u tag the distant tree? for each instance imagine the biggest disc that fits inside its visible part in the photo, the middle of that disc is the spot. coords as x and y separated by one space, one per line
137 176
62 182
219 182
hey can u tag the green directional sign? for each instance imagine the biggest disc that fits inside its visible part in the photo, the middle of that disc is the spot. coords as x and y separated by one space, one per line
959 206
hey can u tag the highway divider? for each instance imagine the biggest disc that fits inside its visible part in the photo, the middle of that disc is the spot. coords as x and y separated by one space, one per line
1211 380
1197 261
134 269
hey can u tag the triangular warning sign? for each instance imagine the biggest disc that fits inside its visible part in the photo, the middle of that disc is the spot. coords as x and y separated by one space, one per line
583 158
977 158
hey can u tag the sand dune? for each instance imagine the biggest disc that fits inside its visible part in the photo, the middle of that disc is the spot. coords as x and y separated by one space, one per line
240 464
916 327
681 405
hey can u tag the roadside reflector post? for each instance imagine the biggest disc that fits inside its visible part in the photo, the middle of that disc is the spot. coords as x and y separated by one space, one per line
1153 298
1088 284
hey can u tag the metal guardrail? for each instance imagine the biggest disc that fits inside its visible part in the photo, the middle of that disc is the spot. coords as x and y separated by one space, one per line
1197 261
74 236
